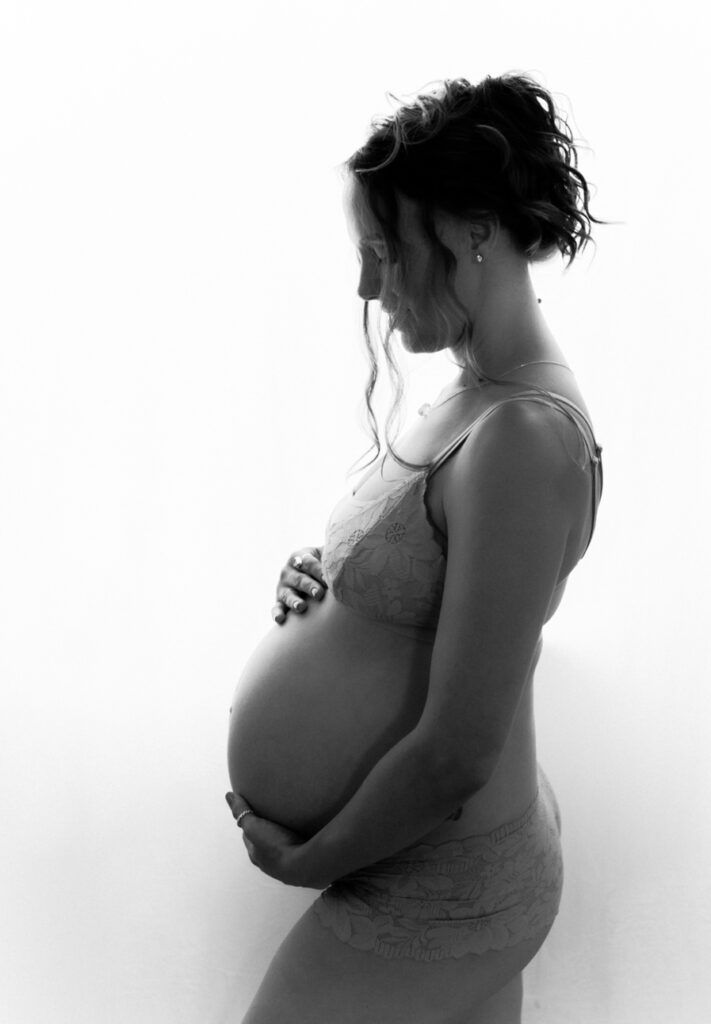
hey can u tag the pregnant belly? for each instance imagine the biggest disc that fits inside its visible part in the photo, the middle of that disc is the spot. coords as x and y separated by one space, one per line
319 702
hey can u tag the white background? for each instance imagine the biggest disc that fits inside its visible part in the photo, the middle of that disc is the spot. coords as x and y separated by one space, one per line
180 385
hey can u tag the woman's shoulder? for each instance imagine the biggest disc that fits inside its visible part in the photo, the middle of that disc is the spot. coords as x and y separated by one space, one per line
521 437
523 467
525 420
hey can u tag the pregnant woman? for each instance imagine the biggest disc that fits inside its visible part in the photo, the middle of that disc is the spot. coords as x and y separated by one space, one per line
382 743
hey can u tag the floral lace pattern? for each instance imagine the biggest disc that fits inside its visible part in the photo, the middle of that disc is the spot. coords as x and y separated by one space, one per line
464 896
382 558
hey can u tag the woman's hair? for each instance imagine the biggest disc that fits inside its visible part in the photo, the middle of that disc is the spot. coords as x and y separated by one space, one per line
498 150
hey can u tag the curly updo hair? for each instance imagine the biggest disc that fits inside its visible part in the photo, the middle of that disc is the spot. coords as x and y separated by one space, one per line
499 149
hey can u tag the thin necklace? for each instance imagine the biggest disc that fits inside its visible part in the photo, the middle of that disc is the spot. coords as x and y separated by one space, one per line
425 409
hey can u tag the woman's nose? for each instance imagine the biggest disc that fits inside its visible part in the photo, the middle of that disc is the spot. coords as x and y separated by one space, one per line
369 283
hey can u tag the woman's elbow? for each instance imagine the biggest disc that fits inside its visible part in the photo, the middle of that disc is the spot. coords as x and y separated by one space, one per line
457 774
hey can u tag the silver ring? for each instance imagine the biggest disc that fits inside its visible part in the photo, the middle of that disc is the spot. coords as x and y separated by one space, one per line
242 815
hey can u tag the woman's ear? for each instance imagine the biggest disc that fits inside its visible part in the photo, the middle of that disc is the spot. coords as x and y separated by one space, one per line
483 233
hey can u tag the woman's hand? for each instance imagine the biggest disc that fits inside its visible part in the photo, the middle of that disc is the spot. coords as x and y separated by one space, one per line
277 851
301 577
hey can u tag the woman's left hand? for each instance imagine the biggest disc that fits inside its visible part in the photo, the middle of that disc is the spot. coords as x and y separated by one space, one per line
275 850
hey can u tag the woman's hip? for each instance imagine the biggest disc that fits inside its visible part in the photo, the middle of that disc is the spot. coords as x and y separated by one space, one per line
470 894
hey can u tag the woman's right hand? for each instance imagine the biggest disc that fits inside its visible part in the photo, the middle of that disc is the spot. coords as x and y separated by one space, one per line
301 577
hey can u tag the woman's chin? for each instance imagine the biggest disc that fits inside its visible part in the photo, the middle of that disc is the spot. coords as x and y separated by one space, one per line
412 342
409 337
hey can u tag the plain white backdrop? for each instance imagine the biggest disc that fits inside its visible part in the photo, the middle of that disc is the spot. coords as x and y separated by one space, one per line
180 385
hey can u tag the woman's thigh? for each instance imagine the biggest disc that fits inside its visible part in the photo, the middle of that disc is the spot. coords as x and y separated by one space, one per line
315 978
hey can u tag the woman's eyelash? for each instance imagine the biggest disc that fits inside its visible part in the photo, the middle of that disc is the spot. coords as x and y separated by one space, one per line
374 254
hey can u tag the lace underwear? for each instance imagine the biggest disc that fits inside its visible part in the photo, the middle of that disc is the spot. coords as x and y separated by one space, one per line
467 895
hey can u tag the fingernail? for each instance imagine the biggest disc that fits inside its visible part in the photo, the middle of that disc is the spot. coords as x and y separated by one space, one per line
229 798
298 605
297 562
314 591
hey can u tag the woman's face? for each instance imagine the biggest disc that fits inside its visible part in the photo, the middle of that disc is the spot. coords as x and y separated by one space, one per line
412 277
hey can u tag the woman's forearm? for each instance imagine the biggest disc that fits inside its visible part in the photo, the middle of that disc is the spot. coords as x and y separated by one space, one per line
407 794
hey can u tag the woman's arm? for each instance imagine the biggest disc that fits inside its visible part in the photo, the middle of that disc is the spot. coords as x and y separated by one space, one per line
509 505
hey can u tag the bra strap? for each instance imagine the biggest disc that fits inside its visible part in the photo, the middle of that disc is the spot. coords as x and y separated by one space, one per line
591 445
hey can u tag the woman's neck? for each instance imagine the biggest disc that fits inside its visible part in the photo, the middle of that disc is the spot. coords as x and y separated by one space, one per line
509 329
